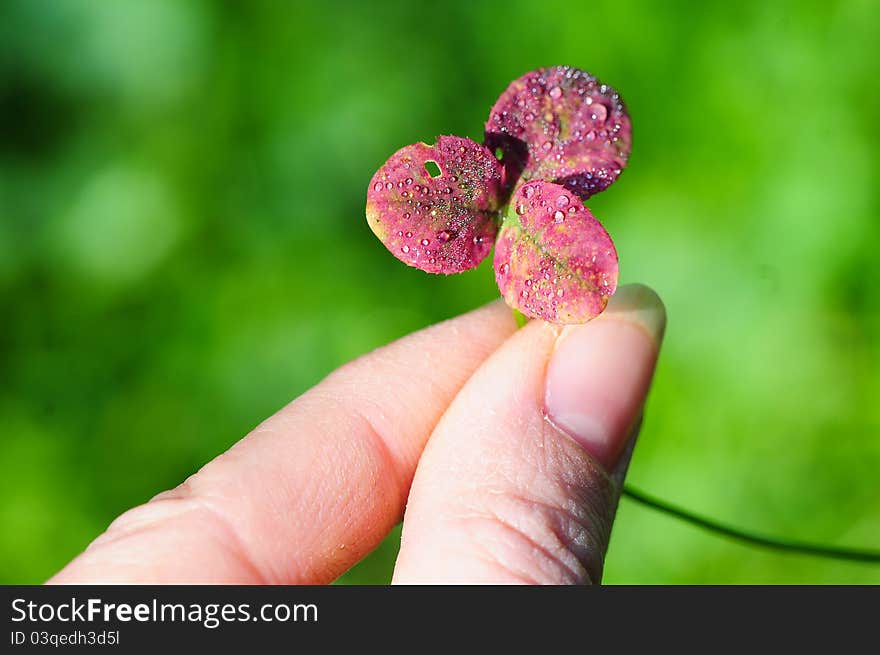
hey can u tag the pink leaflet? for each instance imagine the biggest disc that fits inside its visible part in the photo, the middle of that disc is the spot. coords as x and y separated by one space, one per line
444 224
553 260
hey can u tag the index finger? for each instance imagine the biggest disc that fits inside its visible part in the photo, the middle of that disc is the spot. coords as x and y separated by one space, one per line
313 488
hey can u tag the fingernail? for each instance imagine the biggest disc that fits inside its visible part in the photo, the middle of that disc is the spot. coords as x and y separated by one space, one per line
600 372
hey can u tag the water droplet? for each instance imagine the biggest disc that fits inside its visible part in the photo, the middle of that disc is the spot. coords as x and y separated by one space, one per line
389 186
504 269
445 235
400 233
520 210
555 93
405 249
409 235
591 135
529 117
406 214
377 186
559 216
546 145
600 113
562 200
529 191
559 292
425 242
408 181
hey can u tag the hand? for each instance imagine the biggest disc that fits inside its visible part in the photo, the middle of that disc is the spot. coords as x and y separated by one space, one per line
530 431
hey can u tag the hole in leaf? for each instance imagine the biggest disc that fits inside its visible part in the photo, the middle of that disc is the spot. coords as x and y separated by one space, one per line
499 153
432 168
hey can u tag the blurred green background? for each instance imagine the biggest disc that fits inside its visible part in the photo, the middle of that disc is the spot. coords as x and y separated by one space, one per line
183 247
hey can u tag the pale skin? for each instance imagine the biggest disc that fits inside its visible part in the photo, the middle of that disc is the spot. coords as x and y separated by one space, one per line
503 451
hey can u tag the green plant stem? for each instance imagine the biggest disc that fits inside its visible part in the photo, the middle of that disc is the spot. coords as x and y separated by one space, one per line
520 318
817 550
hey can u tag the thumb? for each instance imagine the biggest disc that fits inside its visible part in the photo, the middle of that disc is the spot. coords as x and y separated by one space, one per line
520 479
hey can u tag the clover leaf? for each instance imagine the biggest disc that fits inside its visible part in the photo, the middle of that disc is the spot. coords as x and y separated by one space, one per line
561 136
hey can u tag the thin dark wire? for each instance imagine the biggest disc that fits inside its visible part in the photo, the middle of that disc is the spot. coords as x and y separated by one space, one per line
850 554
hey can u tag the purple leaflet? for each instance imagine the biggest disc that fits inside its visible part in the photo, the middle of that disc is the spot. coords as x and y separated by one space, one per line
562 125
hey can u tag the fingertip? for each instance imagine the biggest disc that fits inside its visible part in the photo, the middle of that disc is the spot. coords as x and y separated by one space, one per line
638 305
600 372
